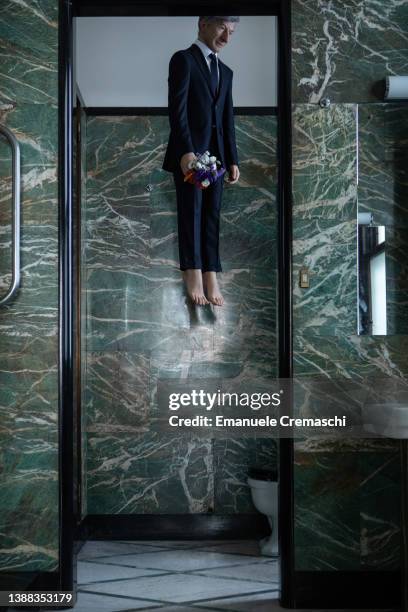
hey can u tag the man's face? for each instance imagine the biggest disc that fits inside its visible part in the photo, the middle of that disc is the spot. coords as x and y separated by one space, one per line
216 34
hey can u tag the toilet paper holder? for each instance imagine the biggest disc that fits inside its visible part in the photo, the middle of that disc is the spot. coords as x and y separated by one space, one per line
396 88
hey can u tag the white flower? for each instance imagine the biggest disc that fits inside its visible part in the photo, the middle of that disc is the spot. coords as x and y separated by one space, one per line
212 159
205 183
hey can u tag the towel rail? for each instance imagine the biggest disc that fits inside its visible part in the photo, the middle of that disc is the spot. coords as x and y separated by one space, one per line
15 281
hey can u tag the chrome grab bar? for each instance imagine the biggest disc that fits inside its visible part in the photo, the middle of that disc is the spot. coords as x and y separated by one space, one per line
16 214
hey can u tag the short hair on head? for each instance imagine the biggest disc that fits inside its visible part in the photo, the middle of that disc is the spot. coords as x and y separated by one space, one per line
215 18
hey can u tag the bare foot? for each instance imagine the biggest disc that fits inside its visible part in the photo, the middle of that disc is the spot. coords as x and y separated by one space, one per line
212 289
194 284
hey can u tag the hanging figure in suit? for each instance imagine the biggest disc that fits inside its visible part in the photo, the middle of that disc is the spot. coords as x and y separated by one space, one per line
201 119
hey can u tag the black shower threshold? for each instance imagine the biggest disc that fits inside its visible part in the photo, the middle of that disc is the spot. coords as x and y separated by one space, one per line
172 527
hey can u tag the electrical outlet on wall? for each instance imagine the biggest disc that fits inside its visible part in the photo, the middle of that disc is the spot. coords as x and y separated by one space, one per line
304 276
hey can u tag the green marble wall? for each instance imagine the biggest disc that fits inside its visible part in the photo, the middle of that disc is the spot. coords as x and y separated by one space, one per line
140 328
343 49
347 510
28 324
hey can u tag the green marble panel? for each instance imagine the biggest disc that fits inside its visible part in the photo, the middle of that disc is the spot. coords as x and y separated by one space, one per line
248 234
324 161
396 137
327 516
170 308
383 174
117 390
33 312
248 322
396 243
328 305
28 459
312 234
189 367
380 507
233 458
163 231
249 219
196 364
29 382
119 310
140 326
29 521
29 51
149 474
257 146
396 270
342 49
364 358
122 153
163 191
354 357
36 128
397 301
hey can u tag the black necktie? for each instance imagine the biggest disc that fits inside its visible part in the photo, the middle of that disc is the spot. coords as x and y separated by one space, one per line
214 73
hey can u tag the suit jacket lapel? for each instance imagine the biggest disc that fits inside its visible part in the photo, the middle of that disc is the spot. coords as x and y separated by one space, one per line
199 58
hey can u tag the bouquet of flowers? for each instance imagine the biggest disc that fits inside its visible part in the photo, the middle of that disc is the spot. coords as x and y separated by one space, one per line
205 170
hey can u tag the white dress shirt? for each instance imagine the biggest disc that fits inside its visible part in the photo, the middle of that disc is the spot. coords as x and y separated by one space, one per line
206 51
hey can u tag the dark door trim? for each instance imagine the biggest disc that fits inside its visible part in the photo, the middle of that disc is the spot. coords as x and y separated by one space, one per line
65 301
286 446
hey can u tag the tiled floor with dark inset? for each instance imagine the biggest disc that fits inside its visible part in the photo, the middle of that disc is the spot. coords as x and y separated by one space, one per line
177 576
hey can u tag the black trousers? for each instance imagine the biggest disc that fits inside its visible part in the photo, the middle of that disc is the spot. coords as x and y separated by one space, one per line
198 218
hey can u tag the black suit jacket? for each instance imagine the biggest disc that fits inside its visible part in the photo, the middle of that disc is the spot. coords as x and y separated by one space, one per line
193 109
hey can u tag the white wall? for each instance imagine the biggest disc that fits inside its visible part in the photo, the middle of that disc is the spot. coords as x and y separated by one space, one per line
123 61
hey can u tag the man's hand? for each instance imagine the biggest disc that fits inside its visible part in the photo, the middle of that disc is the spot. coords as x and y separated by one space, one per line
184 161
233 174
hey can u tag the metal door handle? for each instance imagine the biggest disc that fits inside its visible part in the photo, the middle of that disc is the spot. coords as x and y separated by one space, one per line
15 281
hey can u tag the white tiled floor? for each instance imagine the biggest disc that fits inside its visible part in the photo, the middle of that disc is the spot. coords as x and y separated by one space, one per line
118 576
176 576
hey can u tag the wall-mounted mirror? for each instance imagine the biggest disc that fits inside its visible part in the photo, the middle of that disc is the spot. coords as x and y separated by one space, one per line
382 190
372 277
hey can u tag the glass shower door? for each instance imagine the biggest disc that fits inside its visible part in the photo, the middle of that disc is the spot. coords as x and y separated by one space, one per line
28 373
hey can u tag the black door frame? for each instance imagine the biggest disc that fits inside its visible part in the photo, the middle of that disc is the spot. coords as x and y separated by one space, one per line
67 10
67 567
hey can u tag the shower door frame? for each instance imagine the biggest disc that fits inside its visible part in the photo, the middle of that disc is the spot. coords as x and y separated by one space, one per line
67 374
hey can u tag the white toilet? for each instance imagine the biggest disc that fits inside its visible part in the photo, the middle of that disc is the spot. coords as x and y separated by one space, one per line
264 490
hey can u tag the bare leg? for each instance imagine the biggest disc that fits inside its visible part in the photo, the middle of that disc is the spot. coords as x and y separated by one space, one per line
194 284
212 289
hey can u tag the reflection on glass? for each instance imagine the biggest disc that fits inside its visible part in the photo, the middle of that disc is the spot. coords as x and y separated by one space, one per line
378 294
6 207
381 234
372 302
